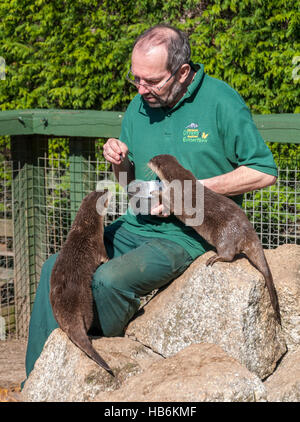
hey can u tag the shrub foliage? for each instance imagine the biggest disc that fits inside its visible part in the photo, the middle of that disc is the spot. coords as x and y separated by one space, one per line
74 54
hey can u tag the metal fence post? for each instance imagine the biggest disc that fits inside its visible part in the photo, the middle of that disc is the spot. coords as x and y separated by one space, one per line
82 170
29 222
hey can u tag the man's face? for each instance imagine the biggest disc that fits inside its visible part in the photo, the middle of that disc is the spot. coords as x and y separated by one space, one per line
149 67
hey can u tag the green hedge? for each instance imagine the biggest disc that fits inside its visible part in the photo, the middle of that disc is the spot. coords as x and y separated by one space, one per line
74 54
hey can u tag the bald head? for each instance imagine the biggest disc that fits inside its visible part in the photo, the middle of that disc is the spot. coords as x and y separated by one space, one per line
160 65
172 41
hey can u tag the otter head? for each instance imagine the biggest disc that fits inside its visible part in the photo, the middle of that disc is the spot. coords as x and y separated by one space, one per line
96 203
160 164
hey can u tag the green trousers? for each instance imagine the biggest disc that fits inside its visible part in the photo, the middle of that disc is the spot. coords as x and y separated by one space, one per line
137 266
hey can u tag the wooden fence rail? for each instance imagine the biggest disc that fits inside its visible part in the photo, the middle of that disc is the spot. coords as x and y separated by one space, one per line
29 131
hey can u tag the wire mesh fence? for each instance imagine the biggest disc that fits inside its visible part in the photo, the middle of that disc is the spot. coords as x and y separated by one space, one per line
275 210
7 310
58 186
57 207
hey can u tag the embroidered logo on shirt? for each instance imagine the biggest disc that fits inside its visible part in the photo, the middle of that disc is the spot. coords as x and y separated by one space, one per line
192 134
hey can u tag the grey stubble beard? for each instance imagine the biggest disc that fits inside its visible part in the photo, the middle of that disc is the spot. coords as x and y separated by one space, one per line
175 91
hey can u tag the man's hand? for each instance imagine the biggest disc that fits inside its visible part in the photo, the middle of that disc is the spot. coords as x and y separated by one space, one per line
159 211
115 151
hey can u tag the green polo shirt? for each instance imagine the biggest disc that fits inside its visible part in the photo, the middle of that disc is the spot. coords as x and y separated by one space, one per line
210 131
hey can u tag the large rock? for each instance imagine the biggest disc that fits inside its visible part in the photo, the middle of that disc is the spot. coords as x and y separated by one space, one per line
65 373
285 264
284 384
199 373
227 304
165 355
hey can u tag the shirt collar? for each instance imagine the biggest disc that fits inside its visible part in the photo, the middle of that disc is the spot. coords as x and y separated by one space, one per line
194 85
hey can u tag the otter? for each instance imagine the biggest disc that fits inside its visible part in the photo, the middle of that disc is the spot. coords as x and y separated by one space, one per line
225 225
70 283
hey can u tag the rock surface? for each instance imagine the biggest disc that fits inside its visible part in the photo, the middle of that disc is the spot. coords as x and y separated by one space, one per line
199 373
285 264
208 336
65 373
226 304
284 384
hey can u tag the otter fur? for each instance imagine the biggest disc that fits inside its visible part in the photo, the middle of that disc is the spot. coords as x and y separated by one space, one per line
225 225
70 284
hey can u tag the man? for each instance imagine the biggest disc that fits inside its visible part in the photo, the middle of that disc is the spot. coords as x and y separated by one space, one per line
181 111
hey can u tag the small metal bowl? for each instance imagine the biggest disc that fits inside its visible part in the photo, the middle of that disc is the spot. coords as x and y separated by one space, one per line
141 198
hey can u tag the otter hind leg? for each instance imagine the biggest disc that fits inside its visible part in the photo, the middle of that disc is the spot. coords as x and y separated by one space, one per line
226 255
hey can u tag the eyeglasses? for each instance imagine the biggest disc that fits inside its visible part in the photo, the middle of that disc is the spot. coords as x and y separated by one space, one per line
134 80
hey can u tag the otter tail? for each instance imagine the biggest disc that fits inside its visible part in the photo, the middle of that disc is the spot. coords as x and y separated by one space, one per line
257 257
81 340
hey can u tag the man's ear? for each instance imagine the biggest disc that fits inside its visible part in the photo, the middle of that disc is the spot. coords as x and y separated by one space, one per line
183 72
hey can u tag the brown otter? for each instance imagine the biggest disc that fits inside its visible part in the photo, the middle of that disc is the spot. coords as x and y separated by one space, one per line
225 225
70 284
